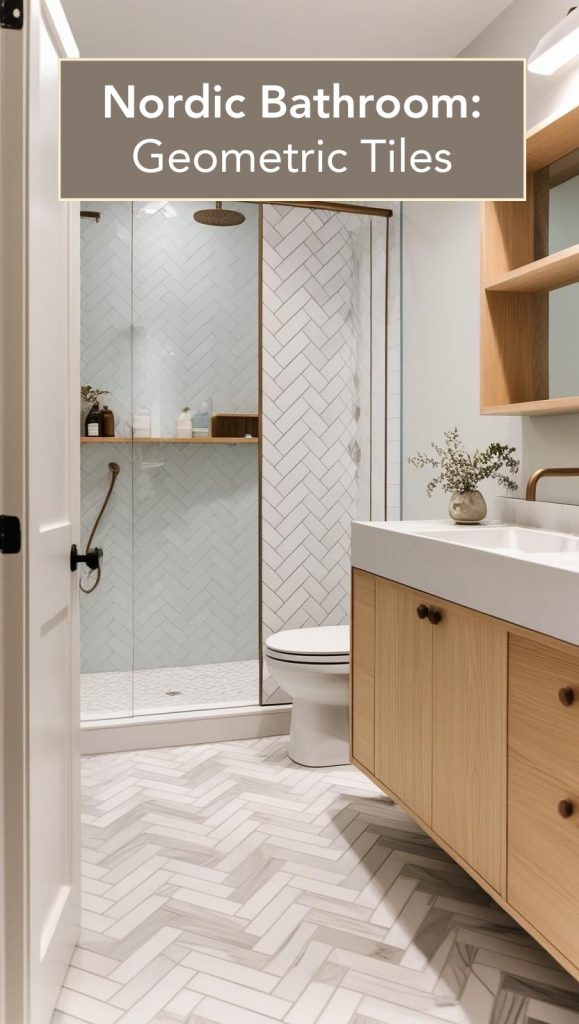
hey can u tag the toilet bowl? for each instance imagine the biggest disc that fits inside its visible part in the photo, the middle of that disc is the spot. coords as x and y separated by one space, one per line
313 667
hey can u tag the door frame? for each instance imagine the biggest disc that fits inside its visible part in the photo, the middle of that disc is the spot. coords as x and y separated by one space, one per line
13 568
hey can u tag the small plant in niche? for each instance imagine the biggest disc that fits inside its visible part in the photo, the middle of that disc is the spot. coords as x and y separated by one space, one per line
91 395
459 473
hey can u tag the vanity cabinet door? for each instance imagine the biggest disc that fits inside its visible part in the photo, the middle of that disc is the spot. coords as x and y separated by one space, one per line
404 696
470 739
543 837
363 653
544 852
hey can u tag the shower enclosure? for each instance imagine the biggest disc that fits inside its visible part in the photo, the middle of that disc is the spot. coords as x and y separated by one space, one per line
170 320
272 333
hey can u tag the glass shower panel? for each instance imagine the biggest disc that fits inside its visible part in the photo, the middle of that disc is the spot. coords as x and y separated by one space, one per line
106 614
195 500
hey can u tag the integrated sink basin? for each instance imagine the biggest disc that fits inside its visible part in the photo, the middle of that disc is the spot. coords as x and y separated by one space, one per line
524 574
508 540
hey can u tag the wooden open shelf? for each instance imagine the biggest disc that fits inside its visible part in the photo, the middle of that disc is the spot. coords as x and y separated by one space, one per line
169 440
517 274
551 140
556 271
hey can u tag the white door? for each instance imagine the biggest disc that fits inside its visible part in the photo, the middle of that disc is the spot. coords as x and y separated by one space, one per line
39 451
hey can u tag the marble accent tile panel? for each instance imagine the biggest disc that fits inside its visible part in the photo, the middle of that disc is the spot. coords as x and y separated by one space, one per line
317 428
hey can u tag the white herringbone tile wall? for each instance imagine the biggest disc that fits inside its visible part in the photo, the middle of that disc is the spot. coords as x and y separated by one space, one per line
170 318
323 409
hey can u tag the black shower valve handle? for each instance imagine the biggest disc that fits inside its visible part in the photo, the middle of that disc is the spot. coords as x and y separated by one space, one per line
93 558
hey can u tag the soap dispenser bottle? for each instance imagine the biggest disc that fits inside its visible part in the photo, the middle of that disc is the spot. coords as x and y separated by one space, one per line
92 424
107 422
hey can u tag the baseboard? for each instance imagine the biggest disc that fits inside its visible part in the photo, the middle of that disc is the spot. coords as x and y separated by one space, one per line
112 735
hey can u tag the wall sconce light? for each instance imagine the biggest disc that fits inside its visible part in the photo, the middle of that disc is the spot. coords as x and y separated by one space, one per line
558 47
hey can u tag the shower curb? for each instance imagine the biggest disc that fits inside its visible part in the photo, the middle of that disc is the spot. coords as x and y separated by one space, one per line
110 736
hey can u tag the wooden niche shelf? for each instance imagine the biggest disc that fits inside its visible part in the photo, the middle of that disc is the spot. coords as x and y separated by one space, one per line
169 440
226 428
235 424
517 274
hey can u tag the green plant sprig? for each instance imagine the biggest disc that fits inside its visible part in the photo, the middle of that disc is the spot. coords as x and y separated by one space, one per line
90 394
460 471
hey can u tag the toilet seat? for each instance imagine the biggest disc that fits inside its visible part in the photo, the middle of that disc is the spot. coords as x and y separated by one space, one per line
320 645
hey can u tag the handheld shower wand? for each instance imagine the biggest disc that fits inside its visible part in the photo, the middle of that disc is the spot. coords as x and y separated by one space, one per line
114 469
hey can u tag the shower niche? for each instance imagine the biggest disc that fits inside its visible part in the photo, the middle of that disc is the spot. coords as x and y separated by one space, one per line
245 362
170 322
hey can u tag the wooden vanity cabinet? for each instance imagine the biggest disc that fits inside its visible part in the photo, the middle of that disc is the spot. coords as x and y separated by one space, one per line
438 698
470 722
363 657
403 644
469 737
543 789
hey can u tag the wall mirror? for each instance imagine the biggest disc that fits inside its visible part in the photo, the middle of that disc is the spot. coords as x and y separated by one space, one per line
530 283
562 178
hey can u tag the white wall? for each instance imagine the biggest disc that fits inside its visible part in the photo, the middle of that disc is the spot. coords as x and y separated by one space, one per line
441 300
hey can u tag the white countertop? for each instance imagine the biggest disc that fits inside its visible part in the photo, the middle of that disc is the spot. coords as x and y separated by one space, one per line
539 592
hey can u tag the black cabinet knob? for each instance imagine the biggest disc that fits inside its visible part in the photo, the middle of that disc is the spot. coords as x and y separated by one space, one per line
433 616
566 696
422 611
565 808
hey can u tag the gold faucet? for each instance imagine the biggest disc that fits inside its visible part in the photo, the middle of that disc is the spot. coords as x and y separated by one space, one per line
539 473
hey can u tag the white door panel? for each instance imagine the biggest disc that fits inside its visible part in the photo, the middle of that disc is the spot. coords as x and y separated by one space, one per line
49 755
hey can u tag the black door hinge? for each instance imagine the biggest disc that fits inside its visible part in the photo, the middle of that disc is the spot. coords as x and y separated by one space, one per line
11 13
10 535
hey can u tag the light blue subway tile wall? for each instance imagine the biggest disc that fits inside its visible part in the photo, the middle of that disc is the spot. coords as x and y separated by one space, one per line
195 518
106 616
170 318
195 312
106 303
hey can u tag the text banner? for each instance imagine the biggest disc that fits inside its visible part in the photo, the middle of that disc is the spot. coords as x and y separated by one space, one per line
295 129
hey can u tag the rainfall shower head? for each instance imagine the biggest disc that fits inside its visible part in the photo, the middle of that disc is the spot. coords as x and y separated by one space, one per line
218 217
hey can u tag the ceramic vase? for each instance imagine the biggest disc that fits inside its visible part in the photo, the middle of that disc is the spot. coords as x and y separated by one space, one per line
467 507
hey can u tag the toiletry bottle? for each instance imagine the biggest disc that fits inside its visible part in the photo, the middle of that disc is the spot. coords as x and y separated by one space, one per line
107 422
92 424
185 423
202 420
142 423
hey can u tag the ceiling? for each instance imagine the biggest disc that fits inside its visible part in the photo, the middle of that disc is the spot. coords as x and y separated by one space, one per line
270 28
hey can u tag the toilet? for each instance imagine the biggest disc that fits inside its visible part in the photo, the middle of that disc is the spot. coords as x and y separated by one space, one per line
313 667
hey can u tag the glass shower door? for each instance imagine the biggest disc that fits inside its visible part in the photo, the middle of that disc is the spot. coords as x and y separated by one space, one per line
106 612
195 499
170 323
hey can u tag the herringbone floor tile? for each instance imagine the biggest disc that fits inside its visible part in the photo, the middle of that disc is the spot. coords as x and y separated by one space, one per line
225 884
